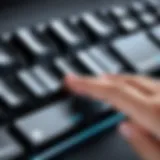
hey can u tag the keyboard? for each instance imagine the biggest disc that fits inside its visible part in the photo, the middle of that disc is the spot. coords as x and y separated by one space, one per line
39 119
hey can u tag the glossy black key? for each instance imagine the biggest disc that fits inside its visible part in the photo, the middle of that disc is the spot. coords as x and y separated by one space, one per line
128 25
32 48
95 27
31 84
9 96
63 67
47 124
51 83
7 62
9 148
138 52
84 61
104 58
148 19
119 12
66 35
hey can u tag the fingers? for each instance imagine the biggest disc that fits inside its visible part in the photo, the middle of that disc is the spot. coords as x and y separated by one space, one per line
101 89
147 147
123 97
143 83
93 87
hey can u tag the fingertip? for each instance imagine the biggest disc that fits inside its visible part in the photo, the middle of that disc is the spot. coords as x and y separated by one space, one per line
126 130
69 79
72 83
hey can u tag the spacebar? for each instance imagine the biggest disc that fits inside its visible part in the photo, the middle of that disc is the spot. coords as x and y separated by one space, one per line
80 137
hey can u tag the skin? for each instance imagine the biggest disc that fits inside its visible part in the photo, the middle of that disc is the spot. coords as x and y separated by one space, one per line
138 97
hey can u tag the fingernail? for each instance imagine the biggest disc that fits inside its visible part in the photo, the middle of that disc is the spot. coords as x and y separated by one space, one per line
126 130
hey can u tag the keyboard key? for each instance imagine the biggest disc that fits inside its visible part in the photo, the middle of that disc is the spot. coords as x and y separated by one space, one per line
67 36
138 52
119 12
148 19
153 5
9 148
105 60
47 79
95 27
63 67
89 108
128 25
83 136
138 8
32 48
31 84
155 34
86 63
10 97
7 62
47 124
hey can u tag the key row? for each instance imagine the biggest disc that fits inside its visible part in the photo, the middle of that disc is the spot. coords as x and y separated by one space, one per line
41 43
40 82
35 129
104 57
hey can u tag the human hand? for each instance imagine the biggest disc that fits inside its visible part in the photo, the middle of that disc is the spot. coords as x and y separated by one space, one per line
137 97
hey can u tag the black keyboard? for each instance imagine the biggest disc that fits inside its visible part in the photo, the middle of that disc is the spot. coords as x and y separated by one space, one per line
39 119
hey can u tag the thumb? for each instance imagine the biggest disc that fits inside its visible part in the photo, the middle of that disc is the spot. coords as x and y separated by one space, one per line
146 146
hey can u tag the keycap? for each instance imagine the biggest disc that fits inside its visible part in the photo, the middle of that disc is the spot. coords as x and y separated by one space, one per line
32 48
66 35
138 8
31 83
138 52
95 27
83 136
9 148
47 124
118 12
89 108
153 5
155 34
148 19
45 76
64 67
87 64
103 57
8 63
9 96
128 25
